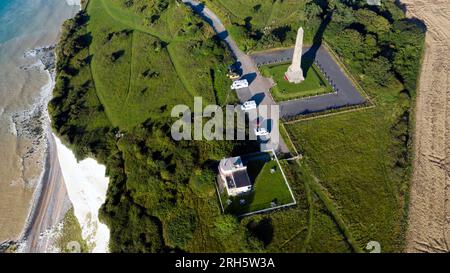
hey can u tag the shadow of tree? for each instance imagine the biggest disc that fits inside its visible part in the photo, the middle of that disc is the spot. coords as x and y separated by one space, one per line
263 230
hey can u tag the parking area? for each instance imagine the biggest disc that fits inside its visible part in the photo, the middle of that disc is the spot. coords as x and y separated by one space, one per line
259 87
345 93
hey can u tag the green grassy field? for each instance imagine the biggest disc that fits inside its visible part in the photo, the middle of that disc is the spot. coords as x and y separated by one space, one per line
115 72
139 70
263 12
258 24
355 157
306 227
314 84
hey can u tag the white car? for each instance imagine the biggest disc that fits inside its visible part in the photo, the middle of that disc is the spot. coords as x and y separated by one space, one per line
248 105
239 84
261 132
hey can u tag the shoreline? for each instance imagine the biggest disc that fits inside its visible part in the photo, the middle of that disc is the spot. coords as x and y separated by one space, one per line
49 200
58 188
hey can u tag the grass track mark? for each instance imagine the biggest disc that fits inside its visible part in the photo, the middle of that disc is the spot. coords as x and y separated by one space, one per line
323 195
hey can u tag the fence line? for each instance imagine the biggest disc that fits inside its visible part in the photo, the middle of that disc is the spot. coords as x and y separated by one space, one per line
300 119
268 209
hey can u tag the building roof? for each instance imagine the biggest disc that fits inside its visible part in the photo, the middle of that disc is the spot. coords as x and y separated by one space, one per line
231 164
241 179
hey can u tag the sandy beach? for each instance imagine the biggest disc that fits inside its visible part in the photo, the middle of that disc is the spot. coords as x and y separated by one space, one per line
33 196
51 204
65 183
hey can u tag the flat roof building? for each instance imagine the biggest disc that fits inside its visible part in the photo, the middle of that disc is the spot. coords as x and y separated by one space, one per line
234 176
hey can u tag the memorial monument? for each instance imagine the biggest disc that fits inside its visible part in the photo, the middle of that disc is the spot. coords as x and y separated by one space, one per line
294 74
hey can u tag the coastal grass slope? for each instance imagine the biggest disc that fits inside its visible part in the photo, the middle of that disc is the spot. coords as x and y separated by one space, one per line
140 70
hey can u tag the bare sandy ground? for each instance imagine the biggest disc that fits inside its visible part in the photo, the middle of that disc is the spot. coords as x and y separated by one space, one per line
429 213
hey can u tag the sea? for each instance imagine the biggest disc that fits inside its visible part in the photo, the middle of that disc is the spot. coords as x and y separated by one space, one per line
27 28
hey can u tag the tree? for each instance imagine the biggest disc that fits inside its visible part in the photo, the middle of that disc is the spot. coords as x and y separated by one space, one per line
407 40
312 10
379 70
373 22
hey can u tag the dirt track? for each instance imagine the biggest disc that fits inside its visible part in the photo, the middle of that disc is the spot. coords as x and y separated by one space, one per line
429 213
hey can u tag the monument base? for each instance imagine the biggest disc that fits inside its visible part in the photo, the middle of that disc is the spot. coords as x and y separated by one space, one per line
294 76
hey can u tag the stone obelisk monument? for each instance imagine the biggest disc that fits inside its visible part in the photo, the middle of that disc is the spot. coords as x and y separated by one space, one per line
294 74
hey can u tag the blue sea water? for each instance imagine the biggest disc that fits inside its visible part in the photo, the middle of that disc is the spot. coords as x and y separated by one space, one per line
15 16
22 17
4 7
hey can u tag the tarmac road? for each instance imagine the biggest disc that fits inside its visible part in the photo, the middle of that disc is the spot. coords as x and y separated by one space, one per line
259 86
345 93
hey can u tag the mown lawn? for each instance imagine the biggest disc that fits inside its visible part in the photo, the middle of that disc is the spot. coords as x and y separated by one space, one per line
269 188
314 83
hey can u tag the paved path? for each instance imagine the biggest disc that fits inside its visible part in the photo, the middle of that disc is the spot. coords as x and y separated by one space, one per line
51 205
259 86
346 94
249 69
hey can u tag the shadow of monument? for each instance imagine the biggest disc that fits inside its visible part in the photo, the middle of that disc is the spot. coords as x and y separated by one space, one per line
268 125
221 36
310 56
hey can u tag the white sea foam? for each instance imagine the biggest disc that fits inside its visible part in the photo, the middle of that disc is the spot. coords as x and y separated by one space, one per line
86 185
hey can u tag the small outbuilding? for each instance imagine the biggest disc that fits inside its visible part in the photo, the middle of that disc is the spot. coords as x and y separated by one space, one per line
234 176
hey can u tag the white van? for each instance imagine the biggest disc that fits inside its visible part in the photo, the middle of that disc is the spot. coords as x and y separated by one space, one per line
239 84
262 134
261 131
248 105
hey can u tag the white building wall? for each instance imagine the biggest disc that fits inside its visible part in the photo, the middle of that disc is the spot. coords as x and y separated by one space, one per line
238 191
